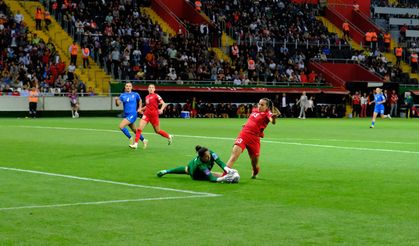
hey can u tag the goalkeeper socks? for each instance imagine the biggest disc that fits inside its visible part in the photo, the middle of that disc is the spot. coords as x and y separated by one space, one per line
163 133
177 170
137 135
126 132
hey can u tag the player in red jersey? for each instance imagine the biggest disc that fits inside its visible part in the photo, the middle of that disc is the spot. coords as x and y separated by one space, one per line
151 114
249 137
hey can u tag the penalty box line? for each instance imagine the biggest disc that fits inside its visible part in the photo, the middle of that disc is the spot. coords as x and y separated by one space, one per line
105 202
107 181
193 194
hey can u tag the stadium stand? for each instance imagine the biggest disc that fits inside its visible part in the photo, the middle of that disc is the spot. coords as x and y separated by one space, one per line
28 61
401 19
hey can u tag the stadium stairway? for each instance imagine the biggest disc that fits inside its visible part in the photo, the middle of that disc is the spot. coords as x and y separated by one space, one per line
94 77
223 52
167 29
406 68
157 19
334 29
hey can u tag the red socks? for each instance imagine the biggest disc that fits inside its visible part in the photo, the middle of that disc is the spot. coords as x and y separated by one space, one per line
163 133
137 135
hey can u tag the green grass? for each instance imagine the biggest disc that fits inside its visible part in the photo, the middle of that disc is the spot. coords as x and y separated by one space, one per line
322 182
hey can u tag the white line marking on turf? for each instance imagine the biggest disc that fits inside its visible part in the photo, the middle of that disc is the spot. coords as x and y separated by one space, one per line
312 145
292 139
349 140
104 202
108 181
265 141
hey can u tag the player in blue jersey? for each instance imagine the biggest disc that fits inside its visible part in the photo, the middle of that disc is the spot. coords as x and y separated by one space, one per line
132 104
379 100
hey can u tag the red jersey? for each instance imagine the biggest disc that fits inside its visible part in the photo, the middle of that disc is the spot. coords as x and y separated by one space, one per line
152 102
356 99
394 98
257 122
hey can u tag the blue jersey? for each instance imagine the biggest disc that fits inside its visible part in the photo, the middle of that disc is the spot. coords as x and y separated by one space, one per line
379 108
379 98
130 102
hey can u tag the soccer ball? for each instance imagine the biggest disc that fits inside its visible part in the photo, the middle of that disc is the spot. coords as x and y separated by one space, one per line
233 177
236 177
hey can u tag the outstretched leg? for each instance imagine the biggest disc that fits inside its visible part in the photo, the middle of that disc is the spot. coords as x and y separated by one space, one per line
176 170
235 154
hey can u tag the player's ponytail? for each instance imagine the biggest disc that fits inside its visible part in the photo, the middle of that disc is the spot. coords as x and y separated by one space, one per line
197 148
272 107
269 102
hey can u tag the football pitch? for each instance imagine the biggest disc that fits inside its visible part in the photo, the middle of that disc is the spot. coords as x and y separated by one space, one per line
70 181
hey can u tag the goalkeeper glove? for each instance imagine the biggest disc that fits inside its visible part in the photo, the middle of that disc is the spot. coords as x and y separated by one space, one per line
229 170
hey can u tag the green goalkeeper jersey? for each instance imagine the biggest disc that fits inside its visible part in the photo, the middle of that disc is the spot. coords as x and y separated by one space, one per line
199 170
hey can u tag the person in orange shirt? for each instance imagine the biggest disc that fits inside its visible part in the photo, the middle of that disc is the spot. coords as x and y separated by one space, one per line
85 52
198 5
368 38
33 101
387 41
38 18
346 30
414 62
399 53
73 53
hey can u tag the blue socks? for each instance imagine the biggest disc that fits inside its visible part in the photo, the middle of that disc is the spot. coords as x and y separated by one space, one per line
126 132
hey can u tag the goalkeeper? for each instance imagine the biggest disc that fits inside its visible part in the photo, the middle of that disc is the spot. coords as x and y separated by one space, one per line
200 167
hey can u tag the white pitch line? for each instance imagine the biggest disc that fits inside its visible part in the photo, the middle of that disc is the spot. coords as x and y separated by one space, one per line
223 138
108 181
104 202
349 140
345 148
265 141
312 145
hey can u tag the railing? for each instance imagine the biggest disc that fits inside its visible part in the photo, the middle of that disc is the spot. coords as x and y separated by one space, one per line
349 61
341 18
166 11
369 21
263 42
327 72
204 83
395 11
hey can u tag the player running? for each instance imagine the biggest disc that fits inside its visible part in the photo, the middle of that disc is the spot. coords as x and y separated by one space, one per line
132 103
200 168
151 114
379 101
249 137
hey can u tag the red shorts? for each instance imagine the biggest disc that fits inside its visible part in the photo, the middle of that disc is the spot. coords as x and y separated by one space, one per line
249 142
153 119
